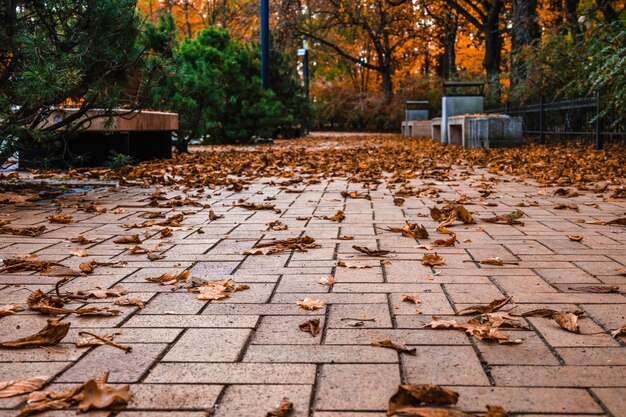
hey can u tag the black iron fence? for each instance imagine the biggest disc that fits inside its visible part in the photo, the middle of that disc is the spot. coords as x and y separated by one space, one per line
580 120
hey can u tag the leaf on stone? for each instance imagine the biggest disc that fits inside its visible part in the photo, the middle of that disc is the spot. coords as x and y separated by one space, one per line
89 266
412 230
79 252
355 195
170 279
413 298
53 306
354 265
445 242
60 218
217 290
345 237
495 305
22 231
432 259
326 281
337 217
10 309
497 261
25 263
248 205
300 244
568 320
596 288
620 222
116 291
619 332
398 347
371 252
167 232
86 340
81 239
410 396
483 331
21 386
510 218
309 303
398 201
575 238
130 301
213 216
276 226
127 240
284 409
311 326
52 334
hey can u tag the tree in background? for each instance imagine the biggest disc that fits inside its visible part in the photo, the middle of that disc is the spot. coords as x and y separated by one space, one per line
85 52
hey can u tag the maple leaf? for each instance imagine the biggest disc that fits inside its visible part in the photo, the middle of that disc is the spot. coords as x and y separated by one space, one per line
309 303
217 290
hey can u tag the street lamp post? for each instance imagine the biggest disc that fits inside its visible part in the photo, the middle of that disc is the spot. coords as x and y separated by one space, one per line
265 42
304 53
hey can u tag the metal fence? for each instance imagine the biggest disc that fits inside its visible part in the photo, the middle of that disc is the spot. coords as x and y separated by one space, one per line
579 120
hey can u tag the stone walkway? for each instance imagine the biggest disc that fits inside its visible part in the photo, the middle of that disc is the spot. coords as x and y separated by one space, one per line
243 354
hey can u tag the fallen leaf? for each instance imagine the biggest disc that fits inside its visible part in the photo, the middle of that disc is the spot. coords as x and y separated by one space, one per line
445 242
167 232
497 261
276 226
482 331
495 305
248 205
398 201
510 218
327 281
213 216
566 319
412 230
217 290
10 309
398 347
81 240
116 291
410 396
284 409
23 231
309 303
301 244
86 340
432 259
345 238
620 222
575 238
353 265
105 340
60 218
311 326
79 252
128 240
170 279
119 210
52 334
128 301
596 288
370 252
53 306
414 298
21 386
355 195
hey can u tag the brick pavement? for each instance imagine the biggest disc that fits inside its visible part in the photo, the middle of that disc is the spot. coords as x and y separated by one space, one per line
242 355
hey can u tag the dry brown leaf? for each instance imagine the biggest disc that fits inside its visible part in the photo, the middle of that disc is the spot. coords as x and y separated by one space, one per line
355 195
414 298
284 409
89 266
398 201
410 396
327 281
116 291
52 334
105 340
412 230
371 252
596 288
79 252
432 259
345 237
337 217
566 319
10 309
213 216
483 331
46 304
86 340
167 232
21 386
398 347
218 289
353 265
127 240
620 222
495 305
81 240
128 301
497 261
23 231
575 238
60 218
311 326
445 242
248 205
301 244
170 279
510 218
309 303
276 226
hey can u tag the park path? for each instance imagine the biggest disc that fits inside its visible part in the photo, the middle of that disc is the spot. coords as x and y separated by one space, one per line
241 355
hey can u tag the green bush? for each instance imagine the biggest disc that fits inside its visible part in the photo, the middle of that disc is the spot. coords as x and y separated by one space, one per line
214 86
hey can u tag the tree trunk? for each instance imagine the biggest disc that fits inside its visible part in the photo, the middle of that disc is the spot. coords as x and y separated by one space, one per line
524 33
571 16
493 49
386 81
